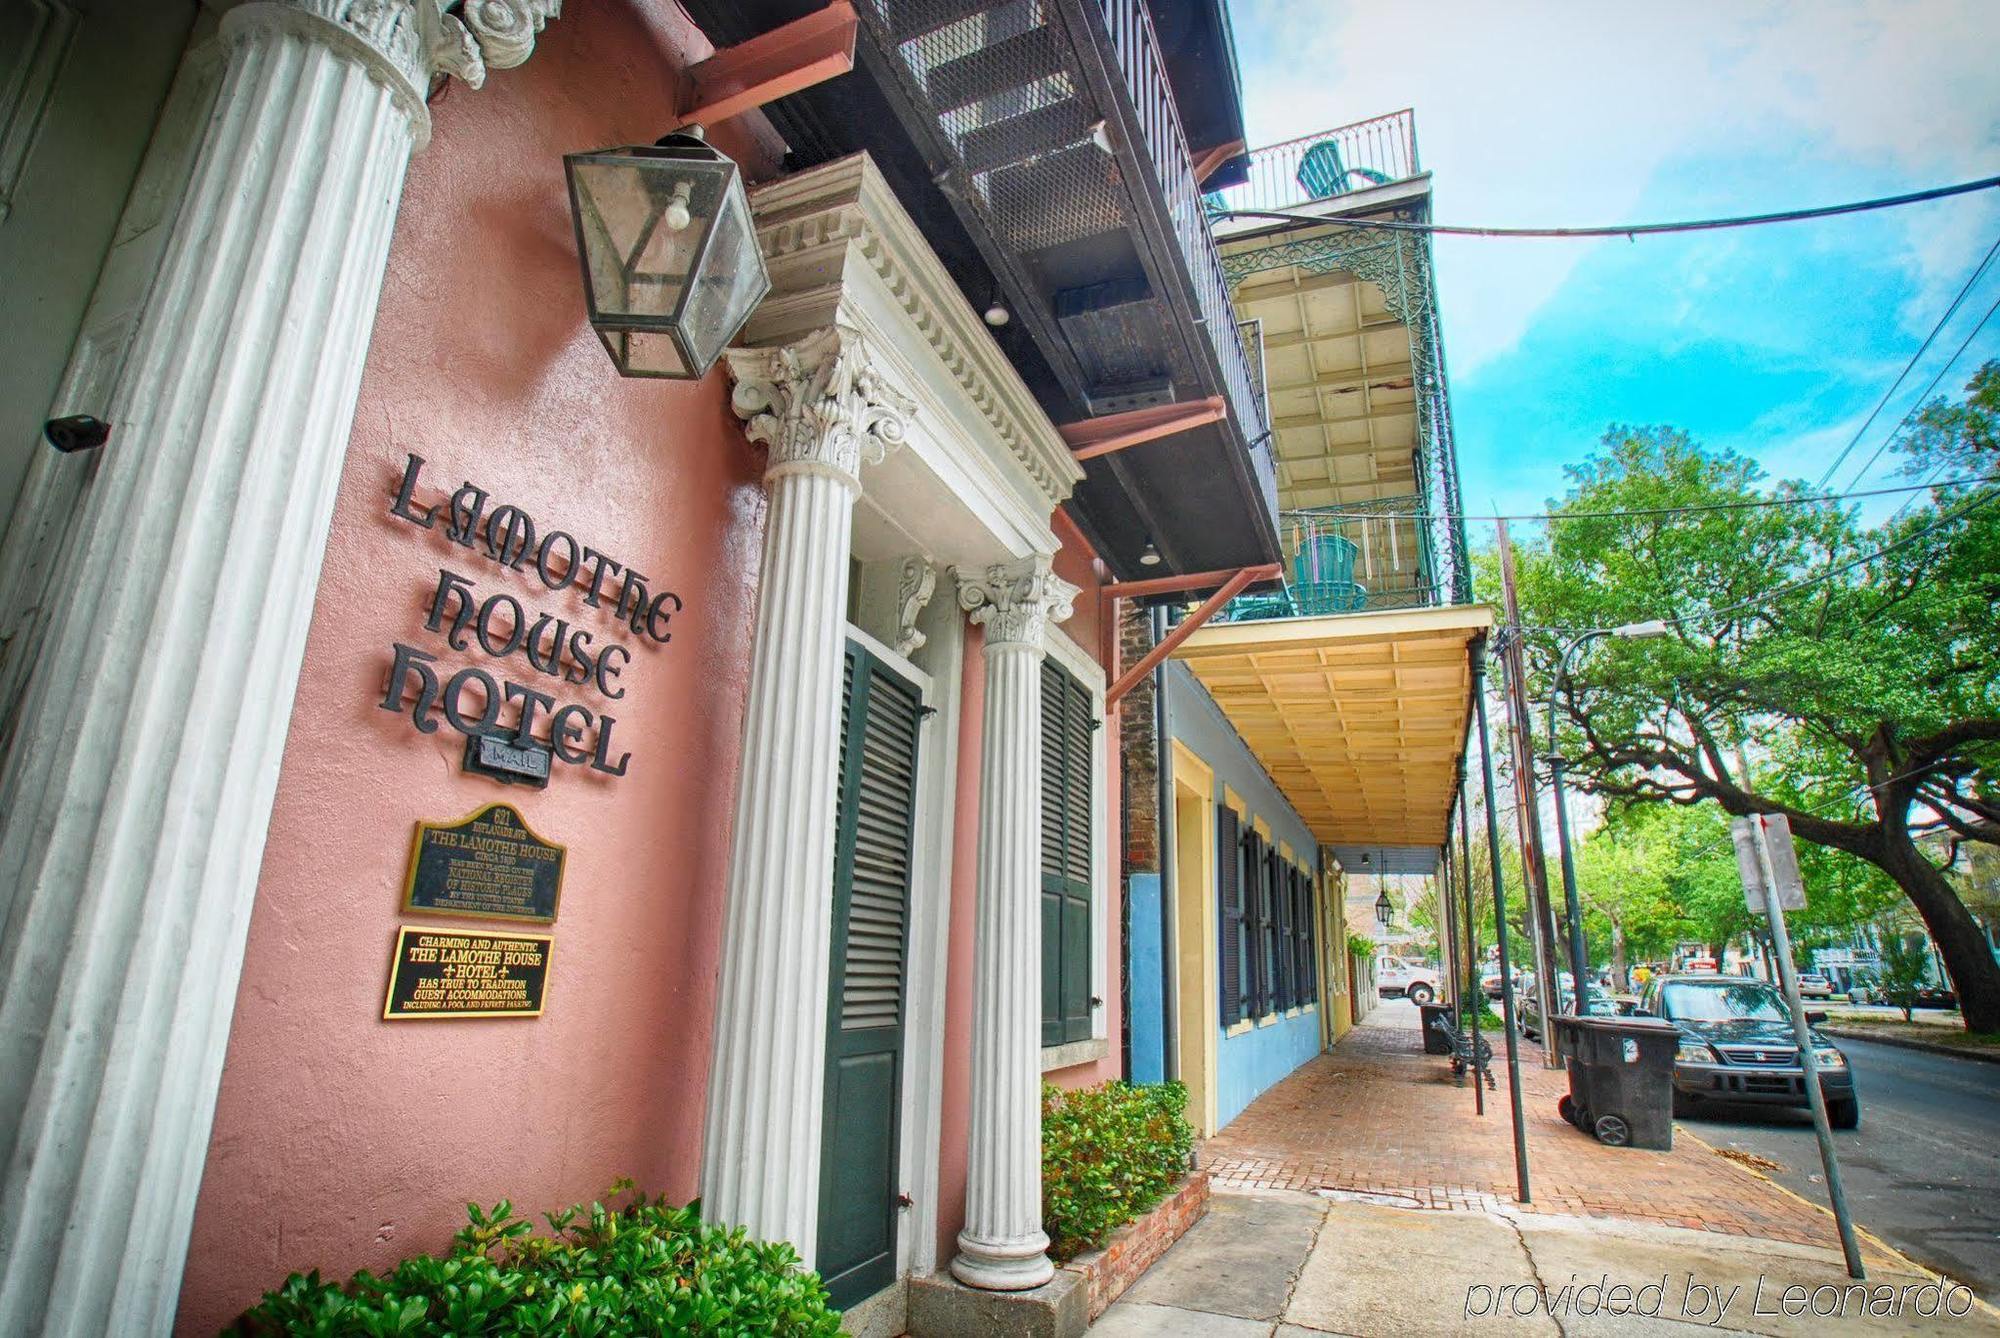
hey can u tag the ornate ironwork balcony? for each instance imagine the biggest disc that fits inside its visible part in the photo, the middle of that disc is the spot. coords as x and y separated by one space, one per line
1366 557
1330 163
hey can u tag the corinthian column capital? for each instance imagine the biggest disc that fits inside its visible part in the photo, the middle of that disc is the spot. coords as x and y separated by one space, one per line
821 404
1015 601
408 43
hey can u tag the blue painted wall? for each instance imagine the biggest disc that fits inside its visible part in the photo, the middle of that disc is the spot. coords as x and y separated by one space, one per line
1248 1064
1144 1005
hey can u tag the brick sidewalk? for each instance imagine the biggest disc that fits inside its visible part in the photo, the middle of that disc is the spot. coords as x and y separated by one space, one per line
1378 1116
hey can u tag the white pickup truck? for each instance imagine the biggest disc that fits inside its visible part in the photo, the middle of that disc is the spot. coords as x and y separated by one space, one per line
1415 981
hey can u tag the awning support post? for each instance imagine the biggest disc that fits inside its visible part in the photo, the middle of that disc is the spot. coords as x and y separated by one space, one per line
1507 1021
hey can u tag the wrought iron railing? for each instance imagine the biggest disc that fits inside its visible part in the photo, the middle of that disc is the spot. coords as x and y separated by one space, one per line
1359 557
1144 74
1331 163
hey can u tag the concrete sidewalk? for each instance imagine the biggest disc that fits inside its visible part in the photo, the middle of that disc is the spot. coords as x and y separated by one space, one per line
1287 1264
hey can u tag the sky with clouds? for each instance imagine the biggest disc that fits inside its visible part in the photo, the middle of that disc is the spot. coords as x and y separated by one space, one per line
1774 341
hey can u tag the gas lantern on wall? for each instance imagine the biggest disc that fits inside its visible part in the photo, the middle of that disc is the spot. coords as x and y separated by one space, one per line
671 269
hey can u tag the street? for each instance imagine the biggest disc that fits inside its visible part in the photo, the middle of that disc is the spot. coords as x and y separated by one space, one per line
1922 1172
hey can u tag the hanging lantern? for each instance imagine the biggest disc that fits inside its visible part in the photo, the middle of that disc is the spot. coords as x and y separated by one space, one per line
671 269
1384 911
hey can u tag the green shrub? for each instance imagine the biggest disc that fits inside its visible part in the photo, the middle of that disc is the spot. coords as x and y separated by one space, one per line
1109 1153
1360 946
646 1268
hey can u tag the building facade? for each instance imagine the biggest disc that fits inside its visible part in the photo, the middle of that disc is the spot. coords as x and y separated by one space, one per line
440 768
1323 716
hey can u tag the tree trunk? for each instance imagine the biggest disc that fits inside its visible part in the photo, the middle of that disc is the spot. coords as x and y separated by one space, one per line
1969 962
1618 976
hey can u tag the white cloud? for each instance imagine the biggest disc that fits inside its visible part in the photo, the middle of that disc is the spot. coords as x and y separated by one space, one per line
1549 113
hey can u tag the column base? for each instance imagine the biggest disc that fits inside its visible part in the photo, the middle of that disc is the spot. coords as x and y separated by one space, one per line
942 1307
1003 1265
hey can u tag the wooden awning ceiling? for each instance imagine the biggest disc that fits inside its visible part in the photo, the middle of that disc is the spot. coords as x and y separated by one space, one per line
1359 717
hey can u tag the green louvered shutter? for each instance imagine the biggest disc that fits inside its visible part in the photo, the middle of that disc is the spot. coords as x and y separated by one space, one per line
1068 734
1256 911
1287 960
1229 907
1302 882
881 719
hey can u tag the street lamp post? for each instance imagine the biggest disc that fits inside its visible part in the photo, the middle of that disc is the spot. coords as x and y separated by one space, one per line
1572 911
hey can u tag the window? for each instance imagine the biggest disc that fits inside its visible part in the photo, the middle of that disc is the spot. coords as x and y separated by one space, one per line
1304 939
1285 900
1068 733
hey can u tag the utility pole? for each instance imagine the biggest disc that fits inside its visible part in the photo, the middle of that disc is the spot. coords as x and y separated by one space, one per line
1520 746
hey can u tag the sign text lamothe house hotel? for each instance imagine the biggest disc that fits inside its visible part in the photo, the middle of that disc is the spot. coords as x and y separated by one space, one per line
527 723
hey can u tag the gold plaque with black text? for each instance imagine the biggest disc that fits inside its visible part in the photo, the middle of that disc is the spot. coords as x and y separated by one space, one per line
458 973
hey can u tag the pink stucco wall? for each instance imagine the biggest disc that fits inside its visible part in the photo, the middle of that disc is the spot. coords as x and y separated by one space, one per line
341 1141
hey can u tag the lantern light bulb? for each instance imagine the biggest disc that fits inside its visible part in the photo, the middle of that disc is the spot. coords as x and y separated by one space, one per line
677 215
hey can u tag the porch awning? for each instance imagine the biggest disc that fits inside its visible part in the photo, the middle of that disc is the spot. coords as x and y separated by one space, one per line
1358 717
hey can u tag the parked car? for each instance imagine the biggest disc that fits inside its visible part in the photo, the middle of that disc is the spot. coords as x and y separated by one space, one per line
1737 1044
1936 996
1700 966
1528 1006
1489 983
1398 976
1813 985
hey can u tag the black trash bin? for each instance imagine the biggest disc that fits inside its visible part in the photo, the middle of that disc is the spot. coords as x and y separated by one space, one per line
1621 1078
1435 1041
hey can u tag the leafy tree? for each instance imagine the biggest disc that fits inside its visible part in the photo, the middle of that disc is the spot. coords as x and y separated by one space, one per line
1861 665
1905 969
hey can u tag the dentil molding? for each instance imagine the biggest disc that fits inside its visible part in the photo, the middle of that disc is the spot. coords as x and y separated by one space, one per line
1015 601
820 404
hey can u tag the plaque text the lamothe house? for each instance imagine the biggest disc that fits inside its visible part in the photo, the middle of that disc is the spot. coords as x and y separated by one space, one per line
557 653
467 973
487 864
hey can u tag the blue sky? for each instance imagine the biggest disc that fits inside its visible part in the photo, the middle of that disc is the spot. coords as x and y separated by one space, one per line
1775 341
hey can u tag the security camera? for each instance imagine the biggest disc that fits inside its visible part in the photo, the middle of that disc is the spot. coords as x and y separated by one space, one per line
78 432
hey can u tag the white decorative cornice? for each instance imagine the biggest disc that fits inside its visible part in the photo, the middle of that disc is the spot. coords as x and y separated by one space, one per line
820 404
408 43
915 583
812 224
1015 601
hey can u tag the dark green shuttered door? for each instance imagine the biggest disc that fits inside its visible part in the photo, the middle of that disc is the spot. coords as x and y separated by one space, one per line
1068 730
880 718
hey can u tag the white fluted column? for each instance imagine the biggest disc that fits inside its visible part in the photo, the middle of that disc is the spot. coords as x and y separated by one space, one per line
1003 1247
137 789
822 409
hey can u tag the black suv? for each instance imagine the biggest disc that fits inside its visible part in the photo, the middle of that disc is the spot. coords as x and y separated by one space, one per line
1737 1044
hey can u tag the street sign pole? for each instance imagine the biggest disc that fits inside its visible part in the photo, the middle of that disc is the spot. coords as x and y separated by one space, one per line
1773 864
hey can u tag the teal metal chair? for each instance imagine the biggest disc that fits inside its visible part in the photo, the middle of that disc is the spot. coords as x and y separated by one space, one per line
1323 576
1323 175
1325 557
1315 598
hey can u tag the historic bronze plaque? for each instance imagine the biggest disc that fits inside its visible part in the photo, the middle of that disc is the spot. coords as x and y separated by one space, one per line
488 864
467 973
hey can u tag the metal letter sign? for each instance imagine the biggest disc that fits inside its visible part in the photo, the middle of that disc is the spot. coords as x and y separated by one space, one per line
1773 831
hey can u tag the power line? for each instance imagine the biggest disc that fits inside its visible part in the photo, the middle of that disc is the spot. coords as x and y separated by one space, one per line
1623 229
1634 512
1968 507
1917 405
1909 366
